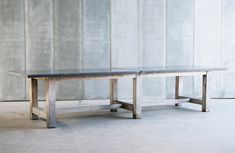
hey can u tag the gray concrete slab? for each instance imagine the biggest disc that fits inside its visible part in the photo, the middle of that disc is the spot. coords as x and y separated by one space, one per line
39 37
68 44
165 129
117 33
152 43
12 49
207 42
124 40
96 53
180 19
228 46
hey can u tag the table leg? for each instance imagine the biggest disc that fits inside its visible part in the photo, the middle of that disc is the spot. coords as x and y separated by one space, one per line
178 88
50 102
113 93
137 87
205 101
33 97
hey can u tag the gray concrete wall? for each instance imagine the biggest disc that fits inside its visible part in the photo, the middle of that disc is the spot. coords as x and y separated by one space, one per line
179 39
39 37
96 41
207 46
61 34
124 39
152 43
228 48
68 34
12 49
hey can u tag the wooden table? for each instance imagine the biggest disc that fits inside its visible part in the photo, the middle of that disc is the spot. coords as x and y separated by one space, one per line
136 74
52 77
178 72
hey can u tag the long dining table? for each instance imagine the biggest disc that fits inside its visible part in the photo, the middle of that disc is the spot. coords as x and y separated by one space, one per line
136 74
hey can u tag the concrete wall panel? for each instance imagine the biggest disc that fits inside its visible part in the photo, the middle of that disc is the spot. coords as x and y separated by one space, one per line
152 26
96 26
207 41
124 39
228 47
68 44
180 19
12 49
39 36
65 34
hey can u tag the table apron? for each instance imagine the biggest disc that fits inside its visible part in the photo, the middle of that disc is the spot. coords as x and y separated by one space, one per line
173 74
88 77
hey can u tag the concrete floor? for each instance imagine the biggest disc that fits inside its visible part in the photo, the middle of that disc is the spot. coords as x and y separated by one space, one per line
163 129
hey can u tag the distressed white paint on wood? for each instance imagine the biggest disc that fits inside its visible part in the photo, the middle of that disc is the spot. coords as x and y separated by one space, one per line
68 44
124 40
12 49
96 26
180 19
39 36
152 25
228 47
207 42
